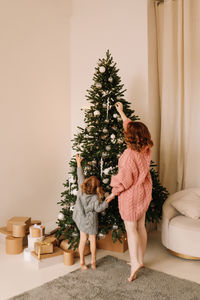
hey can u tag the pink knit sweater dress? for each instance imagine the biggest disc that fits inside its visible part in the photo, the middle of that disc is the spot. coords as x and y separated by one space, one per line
133 184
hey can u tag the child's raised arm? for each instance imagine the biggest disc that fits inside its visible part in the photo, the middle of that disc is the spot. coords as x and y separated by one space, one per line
80 174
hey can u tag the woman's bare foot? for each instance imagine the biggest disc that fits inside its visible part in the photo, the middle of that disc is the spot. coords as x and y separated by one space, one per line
93 265
84 267
133 275
129 263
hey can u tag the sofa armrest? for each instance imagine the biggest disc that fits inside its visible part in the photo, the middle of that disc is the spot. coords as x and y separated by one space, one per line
168 212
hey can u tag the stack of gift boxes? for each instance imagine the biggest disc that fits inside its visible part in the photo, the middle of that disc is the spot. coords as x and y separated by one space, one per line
21 232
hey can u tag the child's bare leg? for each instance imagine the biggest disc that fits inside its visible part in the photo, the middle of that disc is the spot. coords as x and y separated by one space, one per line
83 239
92 239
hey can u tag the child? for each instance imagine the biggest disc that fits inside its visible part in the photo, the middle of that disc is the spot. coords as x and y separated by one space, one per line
133 186
86 211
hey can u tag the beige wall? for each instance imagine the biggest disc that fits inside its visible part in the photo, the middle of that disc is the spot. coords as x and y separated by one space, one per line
122 27
49 50
34 106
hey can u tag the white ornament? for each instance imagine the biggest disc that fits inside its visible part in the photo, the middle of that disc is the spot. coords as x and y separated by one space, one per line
88 168
72 179
101 166
115 226
101 236
74 234
110 79
118 155
61 216
94 162
112 136
72 169
96 113
108 107
108 148
104 93
98 85
106 180
104 105
103 213
105 130
115 116
106 171
118 97
74 192
106 121
102 69
72 207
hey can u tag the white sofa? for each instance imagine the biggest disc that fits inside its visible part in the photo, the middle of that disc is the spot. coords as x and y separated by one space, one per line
180 232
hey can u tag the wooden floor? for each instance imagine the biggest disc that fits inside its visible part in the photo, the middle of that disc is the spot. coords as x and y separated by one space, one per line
16 275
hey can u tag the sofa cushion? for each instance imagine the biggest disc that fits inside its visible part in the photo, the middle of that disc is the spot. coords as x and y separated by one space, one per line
188 205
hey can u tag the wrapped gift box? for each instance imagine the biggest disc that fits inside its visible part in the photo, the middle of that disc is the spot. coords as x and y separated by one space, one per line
65 246
18 220
47 259
32 241
36 231
19 230
52 239
14 245
43 247
107 244
68 258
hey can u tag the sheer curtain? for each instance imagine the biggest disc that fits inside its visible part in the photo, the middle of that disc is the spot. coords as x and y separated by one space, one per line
178 41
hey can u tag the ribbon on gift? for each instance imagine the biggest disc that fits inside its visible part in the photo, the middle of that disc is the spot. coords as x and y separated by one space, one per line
40 245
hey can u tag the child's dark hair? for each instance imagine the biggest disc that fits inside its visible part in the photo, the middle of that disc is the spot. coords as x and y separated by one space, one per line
91 186
138 137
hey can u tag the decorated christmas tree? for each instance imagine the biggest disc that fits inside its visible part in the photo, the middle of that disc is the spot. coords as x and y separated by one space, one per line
100 144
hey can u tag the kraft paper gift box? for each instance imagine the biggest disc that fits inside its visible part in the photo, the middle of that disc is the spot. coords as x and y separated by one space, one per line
108 244
51 239
47 260
19 230
18 220
14 245
43 248
65 246
36 231
68 258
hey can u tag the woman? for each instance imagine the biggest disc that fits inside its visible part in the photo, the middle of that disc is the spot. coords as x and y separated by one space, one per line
133 186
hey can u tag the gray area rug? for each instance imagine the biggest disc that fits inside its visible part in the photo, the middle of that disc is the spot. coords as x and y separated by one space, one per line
109 281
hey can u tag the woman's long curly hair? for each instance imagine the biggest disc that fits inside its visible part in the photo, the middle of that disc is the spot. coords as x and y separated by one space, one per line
138 137
92 186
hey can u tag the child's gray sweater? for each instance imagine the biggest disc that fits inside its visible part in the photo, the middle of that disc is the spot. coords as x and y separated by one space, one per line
86 209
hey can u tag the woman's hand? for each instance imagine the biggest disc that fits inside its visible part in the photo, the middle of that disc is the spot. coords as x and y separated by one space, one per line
110 198
78 160
119 107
